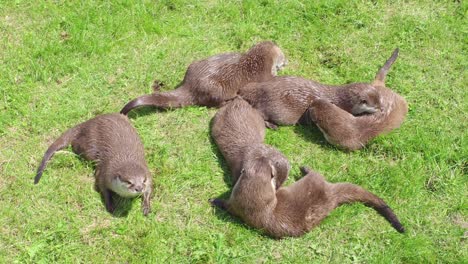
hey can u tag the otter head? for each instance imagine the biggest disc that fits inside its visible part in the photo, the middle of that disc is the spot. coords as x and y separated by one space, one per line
280 166
364 99
258 180
267 164
279 60
130 181
267 54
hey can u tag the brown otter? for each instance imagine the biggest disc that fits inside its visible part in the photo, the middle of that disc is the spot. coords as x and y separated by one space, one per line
237 127
296 209
212 81
283 100
112 142
350 132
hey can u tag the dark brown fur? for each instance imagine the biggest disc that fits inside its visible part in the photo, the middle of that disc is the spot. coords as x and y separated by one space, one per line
112 142
296 209
212 81
283 100
237 127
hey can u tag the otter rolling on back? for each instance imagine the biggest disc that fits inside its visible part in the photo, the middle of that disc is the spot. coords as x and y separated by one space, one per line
237 127
283 100
296 209
112 142
212 81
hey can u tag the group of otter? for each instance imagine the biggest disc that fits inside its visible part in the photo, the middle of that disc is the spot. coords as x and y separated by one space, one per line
251 97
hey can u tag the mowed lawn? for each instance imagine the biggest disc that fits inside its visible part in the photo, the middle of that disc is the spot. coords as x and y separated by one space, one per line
63 62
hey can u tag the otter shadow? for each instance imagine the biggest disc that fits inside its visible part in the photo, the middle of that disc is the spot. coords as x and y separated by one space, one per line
310 132
122 205
219 156
144 111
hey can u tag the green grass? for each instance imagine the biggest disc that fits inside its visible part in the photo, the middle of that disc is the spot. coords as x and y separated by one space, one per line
63 62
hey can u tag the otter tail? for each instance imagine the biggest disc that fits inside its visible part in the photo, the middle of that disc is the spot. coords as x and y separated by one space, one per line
173 99
382 73
350 193
64 140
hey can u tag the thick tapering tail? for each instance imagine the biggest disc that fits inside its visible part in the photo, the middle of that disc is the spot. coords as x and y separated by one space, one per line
174 99
350 193
63 141
382 73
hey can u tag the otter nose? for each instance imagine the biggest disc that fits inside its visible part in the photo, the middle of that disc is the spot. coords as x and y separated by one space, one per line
138 188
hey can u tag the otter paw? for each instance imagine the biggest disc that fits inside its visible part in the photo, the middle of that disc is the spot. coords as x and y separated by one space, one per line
157 84
218 203
305 170
146 210
271 125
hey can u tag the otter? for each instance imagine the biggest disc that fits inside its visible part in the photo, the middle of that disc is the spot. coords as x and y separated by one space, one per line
237 127
112 142
212 81
284 99
296 209
349 132
353 132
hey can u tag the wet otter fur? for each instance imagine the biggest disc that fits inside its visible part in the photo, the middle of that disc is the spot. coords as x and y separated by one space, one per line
212 81
112 142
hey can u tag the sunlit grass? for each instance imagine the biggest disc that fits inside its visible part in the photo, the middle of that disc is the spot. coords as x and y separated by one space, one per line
63 62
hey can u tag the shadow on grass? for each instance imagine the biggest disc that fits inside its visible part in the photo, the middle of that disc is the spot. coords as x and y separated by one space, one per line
144 111
122 205
311 133
219 156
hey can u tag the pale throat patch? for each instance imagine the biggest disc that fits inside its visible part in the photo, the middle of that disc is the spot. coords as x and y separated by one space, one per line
121 189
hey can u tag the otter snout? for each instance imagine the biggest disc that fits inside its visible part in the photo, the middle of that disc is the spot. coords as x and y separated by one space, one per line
127 189
138 189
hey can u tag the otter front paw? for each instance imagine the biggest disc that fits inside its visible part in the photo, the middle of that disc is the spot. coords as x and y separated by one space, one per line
271 125
305 170
157 84
146 209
